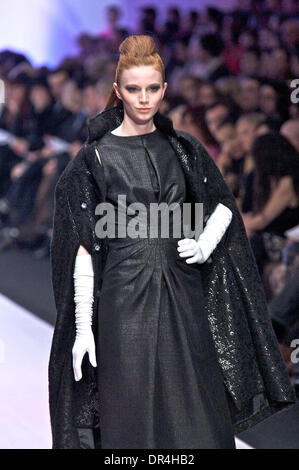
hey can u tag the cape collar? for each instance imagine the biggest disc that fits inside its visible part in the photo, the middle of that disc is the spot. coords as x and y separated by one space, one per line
110 119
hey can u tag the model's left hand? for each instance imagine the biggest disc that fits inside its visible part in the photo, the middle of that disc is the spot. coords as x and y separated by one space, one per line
191 247
214 230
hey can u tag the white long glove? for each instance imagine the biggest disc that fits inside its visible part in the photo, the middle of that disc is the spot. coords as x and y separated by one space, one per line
83 286
213 232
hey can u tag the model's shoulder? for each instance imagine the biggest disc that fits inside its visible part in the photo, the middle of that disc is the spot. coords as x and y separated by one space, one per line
191 139
200 150
75 168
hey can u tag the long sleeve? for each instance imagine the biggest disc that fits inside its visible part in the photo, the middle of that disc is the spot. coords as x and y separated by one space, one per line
214 230
83 287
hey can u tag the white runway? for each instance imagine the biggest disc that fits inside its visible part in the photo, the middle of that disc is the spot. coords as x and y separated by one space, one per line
25 342
24 352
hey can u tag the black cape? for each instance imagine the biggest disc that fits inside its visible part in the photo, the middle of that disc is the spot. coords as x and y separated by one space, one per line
253 369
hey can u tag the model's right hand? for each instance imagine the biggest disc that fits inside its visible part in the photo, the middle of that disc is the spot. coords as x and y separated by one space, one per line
83 343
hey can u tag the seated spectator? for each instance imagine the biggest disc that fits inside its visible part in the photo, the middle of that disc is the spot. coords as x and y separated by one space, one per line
250 62
267 39
246 127
44 163
175 67
230 160
189 87
294 62
215 114
266 126
169 33
276 202
274 100
193 121
209 65
14 118
279 56
249 94
147 22
208 94
113 14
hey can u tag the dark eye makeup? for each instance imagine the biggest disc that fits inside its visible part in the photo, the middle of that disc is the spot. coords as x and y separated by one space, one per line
132 89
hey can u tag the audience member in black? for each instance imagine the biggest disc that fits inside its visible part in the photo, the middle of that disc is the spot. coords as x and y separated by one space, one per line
208 94
250 62
14 118
276 188
42 119
113 30
21 197
176 63
210 49
193 121
215 114
147 21
274 98
231 158
188 88
170 31
267 125
246 127
191 25
249 94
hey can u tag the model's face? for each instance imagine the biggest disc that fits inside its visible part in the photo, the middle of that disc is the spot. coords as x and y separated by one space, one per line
141 87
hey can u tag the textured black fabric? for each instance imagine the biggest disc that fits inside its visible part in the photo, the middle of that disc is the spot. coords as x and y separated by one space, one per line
254 372
159 381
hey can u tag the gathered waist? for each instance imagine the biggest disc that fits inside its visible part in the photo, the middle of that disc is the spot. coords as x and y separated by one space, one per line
126 241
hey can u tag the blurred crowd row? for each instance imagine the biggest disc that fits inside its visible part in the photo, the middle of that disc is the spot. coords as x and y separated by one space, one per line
231 83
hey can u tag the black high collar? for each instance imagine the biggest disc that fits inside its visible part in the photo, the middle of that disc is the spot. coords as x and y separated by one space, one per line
110 119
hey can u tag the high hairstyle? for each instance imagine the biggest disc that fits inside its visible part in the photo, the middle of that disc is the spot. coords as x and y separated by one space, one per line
135 50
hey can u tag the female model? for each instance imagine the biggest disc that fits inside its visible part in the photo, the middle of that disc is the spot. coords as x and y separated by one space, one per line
151 352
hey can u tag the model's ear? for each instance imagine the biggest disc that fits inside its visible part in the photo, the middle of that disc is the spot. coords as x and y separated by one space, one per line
116 90
165 86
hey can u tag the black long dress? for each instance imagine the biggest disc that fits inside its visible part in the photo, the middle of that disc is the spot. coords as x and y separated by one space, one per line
160 385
